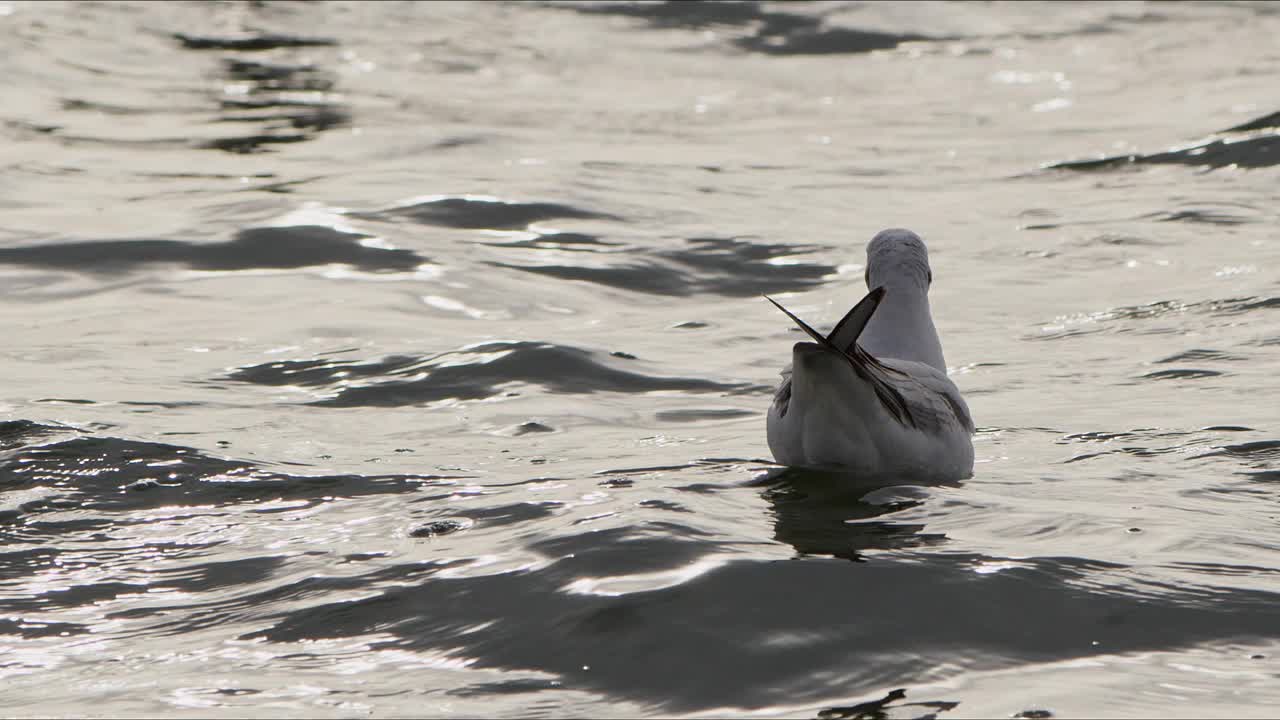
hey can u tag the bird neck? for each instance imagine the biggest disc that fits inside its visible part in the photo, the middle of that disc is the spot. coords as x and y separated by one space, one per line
902 328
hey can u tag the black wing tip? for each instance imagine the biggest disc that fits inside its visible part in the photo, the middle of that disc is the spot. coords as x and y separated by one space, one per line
817 336
863 364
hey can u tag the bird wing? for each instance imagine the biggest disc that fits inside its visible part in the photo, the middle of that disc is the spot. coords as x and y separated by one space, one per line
934 400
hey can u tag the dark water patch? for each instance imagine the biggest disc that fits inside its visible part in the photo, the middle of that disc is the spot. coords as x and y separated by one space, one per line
117 475
283 109
61 598
1252 152
473 373
16 433
1204 216
817 40
1101 436
1114 239
820 513
1181 374
179 619
436 528
880 709
281 97
315 117
245 144
720 266
206 176
571 242
196 578
290 247
701 652
482 213
506 687
81 105
636 550
663 505
278 76
167 405
681 13
1258 451
249 41
1201 355
66 401
286 102
701 488
1232 307
769 30
32 127
1260 123
697 415
531 428
21 563
504 515
32 629
1227 570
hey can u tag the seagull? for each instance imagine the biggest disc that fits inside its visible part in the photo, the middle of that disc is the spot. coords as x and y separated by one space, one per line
873 398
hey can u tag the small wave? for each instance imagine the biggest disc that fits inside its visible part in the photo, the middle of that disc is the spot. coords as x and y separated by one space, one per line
32 629
1182 374
1258 150
720 266
566 241
255 248
472 373
480 213
115 475
603 591
1144 442
252 41
1120 319
1259 123
1208 213
1260 451
1201 355
698 415
16 433
770 31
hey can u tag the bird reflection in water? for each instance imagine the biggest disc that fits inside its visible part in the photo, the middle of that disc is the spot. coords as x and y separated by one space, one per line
830 513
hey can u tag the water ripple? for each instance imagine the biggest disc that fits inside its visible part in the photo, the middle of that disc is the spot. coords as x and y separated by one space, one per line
472 373
265 247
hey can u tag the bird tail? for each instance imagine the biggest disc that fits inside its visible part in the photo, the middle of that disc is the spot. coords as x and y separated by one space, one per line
844 340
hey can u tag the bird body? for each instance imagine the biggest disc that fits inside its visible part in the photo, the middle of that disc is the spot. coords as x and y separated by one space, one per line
873 397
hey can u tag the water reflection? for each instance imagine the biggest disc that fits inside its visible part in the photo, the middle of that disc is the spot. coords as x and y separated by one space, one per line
826 513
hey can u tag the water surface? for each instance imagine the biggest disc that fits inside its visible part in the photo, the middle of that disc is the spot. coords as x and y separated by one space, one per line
399 359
